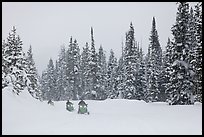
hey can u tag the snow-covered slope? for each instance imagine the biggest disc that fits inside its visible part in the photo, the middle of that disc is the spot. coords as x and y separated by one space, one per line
24 115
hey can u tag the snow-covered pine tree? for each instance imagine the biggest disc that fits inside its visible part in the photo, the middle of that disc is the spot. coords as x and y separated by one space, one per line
73 65
155 65
69 66
32 74
5 82
56 74
192 49
61 74
147 72
120 76
168 54
130 64
13 68
44 85
58 88
51 92
198 51
93 69
181 86
111 75
85 68
167 61
163 79
141 79
102 74
76 58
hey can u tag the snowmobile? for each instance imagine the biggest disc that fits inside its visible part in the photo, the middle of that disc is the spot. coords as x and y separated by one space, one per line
83 108
69 106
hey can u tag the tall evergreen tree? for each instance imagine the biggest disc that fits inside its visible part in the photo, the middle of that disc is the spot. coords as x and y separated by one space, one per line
56 75
141 79
155 65
73 69
61 74
130 64
33 84
5 68
58 93
76 72
120 77
93 68
181 85
69 66
166 74
191 59
44 84
85 68
198 51
13 68
51 92
102 74
147 72
111 75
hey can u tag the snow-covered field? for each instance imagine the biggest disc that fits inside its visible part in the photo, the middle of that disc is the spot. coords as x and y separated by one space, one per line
25 115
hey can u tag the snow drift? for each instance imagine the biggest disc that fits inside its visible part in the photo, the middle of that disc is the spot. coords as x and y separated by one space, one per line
24 115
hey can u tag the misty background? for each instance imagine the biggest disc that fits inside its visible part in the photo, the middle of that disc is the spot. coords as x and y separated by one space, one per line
47 26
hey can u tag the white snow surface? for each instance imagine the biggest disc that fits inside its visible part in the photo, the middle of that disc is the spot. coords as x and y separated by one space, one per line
26 116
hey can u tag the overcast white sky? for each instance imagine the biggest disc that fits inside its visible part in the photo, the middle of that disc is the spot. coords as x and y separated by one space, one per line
47 26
